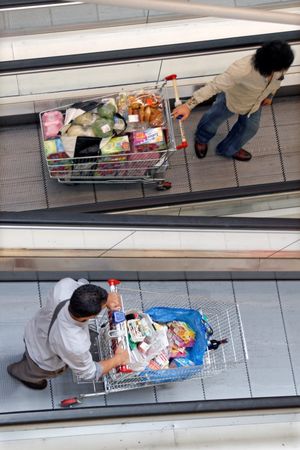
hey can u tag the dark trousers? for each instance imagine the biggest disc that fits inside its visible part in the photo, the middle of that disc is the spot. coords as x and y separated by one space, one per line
243 130
28 370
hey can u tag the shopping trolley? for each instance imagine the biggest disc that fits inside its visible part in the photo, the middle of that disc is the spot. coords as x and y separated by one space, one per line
226 345
137 148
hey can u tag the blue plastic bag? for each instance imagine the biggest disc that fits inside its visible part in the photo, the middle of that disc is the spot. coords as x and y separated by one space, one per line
196 353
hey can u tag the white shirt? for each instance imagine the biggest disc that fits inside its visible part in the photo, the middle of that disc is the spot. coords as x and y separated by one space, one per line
68 338
243 86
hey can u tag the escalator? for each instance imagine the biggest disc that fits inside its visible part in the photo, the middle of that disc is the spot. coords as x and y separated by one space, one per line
25 182
226 231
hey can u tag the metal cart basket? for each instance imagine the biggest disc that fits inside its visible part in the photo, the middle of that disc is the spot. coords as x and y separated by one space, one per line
222 319
133 164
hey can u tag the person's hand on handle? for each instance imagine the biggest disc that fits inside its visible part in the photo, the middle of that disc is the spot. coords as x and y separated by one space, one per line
266 101
113 301
181 112
122 356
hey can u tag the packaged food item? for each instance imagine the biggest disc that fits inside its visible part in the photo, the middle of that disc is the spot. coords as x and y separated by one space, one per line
52 116
148 106
159 362
139 163
59 164
52 123
116 145
181 362
180 337
122 104
148 140
53 146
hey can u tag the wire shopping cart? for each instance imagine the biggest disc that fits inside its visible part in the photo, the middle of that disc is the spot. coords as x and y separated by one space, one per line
133 144
225 347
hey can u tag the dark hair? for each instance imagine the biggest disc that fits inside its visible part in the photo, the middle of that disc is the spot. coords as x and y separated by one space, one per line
87 300
273 56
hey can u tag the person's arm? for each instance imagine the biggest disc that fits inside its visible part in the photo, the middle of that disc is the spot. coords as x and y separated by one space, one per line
113 302
268 100
221 83
121 357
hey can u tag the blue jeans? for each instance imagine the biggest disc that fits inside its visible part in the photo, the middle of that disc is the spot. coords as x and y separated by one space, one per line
243 130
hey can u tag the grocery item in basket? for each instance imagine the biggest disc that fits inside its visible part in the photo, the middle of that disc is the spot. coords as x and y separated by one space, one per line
86 146
193 319
59 164
116 145
52 123
69 143
181 337
148 106
53 146
79 130
139 163
79 108
107 110
122 104
112 165
159 362
181 362
86 119
103 127
148 140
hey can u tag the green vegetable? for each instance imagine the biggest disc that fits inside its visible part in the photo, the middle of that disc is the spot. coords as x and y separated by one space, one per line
108 110
103 127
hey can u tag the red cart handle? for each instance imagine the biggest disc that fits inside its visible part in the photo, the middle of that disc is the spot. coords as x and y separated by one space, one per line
113 283
171 77
67 402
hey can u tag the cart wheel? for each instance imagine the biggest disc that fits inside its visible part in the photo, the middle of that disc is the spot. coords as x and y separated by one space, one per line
68 402
164 186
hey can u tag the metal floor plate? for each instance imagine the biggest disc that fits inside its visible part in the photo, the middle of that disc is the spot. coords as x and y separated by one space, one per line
25 183
269 312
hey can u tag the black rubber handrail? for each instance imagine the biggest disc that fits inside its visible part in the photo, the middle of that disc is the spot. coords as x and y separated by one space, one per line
64 61
150 409
48 218
178 199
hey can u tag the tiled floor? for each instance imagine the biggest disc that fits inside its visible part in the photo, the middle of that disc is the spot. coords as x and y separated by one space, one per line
25 184
269 312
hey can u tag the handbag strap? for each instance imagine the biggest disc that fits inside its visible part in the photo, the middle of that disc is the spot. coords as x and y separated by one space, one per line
55 314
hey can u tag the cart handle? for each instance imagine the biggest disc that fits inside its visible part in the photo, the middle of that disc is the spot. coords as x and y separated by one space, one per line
173 78
113 283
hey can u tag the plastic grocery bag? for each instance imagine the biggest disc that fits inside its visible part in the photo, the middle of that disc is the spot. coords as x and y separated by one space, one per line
193 318
196 353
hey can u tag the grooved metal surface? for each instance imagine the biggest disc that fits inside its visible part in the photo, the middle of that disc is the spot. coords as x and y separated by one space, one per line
269 311
25 183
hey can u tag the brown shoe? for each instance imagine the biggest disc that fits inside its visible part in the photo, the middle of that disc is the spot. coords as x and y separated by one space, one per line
200 150
242 155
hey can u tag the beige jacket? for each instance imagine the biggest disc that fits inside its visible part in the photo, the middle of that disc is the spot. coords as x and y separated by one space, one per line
243 86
